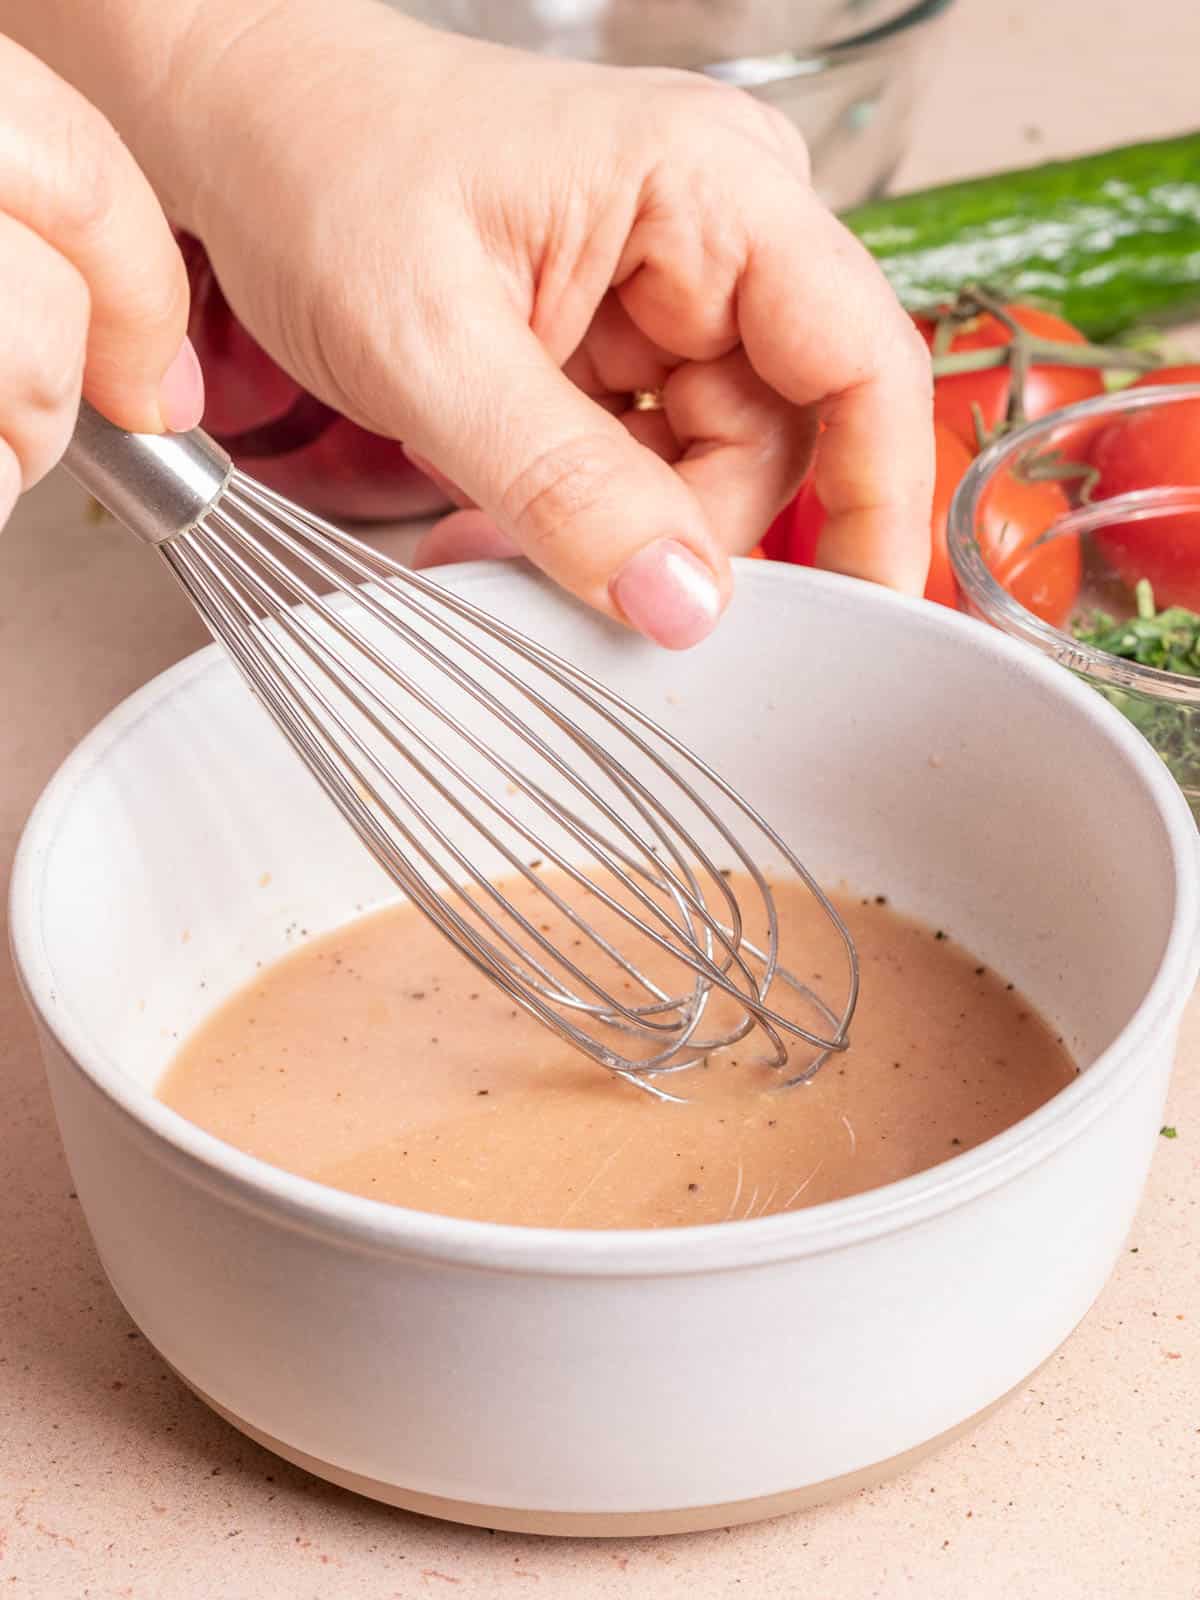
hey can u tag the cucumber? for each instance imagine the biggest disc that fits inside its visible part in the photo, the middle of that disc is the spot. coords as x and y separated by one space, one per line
1109 240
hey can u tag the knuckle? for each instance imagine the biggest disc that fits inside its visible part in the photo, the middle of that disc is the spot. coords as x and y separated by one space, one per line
90 153
45 340
56 364
703 230
563 485
39 432
163 297
786 136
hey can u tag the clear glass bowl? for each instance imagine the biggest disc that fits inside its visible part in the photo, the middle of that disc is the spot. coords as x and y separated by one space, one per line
1164 706
847 72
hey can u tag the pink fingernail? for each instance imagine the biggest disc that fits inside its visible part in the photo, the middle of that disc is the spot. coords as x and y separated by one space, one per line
181 393
667 594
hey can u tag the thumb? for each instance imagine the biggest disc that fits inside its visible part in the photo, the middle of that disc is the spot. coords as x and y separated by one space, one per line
598 512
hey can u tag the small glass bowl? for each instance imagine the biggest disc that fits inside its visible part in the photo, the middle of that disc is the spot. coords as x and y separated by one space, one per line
1165 706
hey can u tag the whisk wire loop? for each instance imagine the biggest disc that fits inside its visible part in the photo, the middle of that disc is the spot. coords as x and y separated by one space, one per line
463 752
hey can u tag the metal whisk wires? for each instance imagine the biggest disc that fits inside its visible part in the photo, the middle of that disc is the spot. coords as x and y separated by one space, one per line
495 783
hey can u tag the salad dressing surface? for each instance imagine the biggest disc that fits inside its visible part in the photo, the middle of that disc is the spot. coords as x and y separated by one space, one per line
376 1060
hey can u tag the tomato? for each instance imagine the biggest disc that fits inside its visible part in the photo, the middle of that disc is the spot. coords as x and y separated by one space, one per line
953 459
1043 577
1046 387
1168 375
1144 450
793 536
757 554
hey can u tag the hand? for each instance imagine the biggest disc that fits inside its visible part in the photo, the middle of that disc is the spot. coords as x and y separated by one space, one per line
484 254
93 294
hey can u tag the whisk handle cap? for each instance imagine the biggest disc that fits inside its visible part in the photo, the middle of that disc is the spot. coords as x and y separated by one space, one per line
157 485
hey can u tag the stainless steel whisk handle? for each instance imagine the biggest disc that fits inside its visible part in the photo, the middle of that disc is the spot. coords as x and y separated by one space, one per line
158 485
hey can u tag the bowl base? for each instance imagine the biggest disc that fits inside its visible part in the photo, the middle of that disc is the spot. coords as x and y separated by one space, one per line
605 1524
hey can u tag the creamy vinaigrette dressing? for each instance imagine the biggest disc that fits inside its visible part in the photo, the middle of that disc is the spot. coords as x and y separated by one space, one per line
378 1061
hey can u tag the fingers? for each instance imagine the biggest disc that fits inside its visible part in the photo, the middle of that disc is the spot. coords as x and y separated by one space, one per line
464 536
598 512
821 326
66 177
615 357
747 253
43 337
739 448
745 451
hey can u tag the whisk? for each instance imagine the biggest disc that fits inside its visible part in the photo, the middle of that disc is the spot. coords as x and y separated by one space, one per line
468 757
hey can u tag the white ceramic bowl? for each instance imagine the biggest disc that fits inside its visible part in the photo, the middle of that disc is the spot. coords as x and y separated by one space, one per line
629 1381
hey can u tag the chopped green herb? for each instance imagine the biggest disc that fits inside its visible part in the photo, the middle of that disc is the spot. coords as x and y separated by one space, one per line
1170 641
1168 1132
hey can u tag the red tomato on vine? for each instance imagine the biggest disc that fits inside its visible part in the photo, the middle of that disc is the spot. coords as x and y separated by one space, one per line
1154 448
1046 388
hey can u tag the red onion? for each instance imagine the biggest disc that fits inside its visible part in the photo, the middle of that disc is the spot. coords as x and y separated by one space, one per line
285 437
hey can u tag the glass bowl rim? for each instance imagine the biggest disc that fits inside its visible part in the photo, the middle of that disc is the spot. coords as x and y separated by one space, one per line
994 602
756 71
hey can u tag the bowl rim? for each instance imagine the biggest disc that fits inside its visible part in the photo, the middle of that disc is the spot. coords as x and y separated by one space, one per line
380 1228
756 70
994 602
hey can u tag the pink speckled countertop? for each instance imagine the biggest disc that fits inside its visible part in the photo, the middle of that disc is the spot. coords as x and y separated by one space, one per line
116 1482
